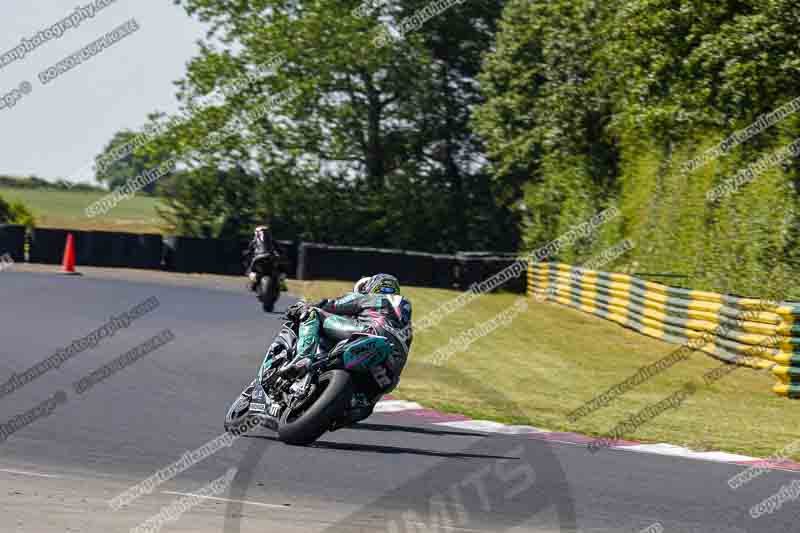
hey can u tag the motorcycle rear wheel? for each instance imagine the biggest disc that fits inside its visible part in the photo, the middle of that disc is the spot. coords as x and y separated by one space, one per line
305 424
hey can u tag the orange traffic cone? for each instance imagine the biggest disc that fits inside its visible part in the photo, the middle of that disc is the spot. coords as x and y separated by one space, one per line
68 265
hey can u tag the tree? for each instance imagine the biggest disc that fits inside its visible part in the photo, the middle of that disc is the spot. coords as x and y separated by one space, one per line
116 171
209 202
360 143
15 213
595 103
543 120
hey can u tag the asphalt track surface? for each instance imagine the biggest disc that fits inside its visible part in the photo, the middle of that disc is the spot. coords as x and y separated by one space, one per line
392 474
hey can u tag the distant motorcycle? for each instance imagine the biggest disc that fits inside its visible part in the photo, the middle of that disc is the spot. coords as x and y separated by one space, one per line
266 279
303 400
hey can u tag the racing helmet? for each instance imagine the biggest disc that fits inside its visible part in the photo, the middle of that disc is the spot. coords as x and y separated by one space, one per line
381 284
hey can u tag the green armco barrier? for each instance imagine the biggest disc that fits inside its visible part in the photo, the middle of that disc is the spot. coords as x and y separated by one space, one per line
745 331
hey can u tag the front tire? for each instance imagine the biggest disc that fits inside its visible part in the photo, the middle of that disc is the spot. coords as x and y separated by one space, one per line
266 293
302 426
238 419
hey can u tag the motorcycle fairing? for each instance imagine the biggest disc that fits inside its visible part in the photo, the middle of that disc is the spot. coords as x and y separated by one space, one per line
366 351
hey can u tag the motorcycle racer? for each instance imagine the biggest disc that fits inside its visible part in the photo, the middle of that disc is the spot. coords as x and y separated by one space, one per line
261 246
375 306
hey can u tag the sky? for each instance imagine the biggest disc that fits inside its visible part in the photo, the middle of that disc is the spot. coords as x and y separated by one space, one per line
56 130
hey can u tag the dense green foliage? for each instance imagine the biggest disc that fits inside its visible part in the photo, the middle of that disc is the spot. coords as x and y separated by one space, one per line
207 202
116 171
358 143
494 125
15 213
591 104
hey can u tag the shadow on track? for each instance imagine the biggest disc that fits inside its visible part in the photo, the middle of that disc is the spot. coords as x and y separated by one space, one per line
350 447
423 431
472 494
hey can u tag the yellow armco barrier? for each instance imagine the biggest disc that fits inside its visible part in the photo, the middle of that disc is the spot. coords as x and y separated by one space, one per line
745 331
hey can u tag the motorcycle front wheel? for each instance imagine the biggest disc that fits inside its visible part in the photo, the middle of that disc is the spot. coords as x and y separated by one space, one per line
238 419
266 293
305 423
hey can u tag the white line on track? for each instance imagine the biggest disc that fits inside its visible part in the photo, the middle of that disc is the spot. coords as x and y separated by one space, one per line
662 449
396 406
22 473
446 527
270 505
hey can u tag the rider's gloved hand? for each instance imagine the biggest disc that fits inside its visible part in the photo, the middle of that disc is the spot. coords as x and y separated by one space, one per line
322 303
296 311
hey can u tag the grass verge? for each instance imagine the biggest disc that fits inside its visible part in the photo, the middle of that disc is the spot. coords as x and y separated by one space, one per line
65 209
552 359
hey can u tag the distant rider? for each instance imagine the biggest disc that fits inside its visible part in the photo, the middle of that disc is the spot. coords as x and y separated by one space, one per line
262 245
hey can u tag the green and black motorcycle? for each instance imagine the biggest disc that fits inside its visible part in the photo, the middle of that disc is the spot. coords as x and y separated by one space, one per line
301 400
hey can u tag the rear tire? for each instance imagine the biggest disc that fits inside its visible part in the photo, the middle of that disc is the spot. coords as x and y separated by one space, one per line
307 426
